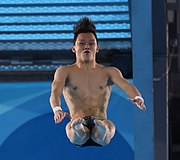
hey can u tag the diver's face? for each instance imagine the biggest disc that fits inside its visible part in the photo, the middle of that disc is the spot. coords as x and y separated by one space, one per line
85 47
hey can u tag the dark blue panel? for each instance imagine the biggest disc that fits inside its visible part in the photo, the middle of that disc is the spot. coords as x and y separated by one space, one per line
38 139
28 130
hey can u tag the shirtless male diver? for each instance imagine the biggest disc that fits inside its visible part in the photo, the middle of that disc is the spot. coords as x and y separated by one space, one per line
86 86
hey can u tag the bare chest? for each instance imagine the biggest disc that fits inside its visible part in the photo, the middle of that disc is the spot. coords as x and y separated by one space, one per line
88 85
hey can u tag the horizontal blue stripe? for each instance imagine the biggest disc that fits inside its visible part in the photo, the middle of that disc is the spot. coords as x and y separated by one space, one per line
64 9
60 45
56 1
28 67
72 18
107 26
62 36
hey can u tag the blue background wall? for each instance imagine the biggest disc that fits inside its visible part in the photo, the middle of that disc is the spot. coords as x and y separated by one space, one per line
28 131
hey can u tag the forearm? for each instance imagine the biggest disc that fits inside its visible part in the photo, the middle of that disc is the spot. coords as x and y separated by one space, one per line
132 91
55 100
136 98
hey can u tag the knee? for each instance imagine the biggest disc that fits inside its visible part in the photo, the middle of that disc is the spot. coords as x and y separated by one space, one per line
78 140
103 137
74 138
103 142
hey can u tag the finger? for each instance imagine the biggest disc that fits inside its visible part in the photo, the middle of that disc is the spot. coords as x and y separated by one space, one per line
143 107
58 121
133 100
138 102
141 104
60 117
67 115
57 117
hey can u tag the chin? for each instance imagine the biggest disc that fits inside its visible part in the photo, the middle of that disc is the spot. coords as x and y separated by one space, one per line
87 61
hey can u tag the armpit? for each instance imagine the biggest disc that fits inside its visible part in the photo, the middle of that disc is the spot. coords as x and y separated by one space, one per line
110 82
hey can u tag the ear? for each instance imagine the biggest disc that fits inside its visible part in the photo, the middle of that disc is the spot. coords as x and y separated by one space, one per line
97 50
73 49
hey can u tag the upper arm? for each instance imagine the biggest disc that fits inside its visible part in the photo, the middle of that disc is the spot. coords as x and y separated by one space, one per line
121 82
117 78
60 77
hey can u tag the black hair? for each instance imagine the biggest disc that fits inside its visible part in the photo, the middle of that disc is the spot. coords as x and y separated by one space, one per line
84 25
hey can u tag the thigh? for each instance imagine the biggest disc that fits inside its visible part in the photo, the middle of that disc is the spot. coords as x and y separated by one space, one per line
110 125
68 126
77 136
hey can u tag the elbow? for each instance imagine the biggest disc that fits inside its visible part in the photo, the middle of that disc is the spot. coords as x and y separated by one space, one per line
51 99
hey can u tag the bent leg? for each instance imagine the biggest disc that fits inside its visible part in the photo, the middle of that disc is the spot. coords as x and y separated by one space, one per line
103 132
77 132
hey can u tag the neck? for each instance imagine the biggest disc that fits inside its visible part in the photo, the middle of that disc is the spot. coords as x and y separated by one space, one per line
83 65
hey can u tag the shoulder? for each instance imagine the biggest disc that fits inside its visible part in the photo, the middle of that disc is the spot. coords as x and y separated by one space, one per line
106 68
62 72
113 71
64 69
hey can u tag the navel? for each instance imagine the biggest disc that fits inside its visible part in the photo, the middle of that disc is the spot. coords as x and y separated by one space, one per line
101 87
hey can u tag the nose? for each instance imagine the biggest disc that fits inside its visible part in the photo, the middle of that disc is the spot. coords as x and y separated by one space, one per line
86 46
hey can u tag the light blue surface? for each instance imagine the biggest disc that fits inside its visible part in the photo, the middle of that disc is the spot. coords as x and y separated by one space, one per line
45 20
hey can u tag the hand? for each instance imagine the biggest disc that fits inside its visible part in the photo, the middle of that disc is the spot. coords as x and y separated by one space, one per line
59 116
139 102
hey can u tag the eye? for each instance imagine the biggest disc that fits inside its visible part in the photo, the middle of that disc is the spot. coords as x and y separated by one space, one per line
81 43
91 43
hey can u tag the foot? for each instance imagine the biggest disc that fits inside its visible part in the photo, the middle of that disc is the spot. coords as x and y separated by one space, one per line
101 130
78 127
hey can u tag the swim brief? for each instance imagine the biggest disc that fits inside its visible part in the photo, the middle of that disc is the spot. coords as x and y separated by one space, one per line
89 123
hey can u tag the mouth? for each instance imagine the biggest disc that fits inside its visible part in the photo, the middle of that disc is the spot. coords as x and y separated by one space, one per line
86 52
